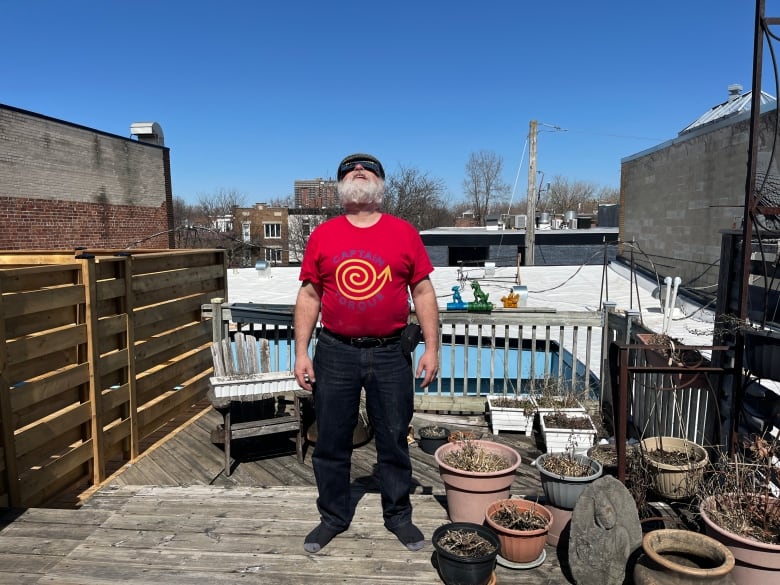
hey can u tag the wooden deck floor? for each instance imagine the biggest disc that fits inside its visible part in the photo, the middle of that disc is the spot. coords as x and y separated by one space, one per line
174 517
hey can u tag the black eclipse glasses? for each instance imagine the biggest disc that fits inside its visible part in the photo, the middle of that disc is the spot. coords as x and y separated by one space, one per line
366 164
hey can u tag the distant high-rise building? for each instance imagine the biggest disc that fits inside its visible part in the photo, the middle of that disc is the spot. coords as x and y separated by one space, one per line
316 193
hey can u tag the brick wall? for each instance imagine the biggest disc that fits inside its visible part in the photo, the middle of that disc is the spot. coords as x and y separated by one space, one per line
56 225
64 185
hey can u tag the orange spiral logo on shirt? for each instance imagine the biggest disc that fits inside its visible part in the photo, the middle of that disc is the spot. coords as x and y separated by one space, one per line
358 280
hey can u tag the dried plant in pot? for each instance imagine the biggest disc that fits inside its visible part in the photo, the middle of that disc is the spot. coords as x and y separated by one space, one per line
675 466
564 431
432 437
565 476
740 508
664 350
475 473
521 526
512 413
556 394
606 454
465 553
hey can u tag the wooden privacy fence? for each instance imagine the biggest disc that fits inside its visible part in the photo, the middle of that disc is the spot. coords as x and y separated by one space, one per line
97 351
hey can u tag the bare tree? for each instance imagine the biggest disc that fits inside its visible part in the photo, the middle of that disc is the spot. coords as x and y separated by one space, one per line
414 196
286 201
562 196
184 214
215 208
483 185
609 195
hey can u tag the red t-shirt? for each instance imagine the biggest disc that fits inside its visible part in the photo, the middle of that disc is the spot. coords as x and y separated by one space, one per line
365 274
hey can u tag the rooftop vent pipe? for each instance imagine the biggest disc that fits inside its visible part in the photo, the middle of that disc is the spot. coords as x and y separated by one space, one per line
150 132
735 90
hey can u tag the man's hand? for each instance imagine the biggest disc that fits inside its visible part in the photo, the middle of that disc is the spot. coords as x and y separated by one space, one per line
429 363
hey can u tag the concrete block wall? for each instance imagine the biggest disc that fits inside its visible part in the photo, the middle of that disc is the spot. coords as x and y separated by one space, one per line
64 185
675 200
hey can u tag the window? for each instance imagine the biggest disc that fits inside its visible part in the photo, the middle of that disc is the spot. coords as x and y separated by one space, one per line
272 230
245 229
273 255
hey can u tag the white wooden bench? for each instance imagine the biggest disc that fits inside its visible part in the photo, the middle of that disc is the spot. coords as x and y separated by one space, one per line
241 375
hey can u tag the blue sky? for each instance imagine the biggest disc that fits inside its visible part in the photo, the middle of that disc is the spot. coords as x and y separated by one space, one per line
253 95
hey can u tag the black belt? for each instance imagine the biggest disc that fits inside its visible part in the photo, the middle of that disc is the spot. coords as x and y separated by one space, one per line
364 342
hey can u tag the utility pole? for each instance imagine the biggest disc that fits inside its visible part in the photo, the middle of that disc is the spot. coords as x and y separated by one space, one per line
530 224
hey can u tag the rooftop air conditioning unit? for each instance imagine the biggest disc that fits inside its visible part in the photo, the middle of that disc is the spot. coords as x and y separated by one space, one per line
521 222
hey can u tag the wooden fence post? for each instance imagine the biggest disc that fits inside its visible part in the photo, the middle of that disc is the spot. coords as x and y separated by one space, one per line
89 281
606 338
217 332
127 304
6 421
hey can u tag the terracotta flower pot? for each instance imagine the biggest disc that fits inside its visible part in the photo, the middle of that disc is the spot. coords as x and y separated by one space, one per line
520 546
757 563
683 557
470 492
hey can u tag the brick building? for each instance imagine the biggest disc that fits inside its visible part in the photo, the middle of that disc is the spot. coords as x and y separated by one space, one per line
265 230
316 193
64 186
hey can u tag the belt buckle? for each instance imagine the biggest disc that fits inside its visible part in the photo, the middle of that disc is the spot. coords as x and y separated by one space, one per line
366 342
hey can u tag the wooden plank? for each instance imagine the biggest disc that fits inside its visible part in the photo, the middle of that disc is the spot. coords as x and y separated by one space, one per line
34 301
47 430
19 325
44 343
38 277
42 484
227 357
46 388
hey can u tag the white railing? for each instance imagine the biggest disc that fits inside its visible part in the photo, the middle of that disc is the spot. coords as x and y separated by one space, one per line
481 354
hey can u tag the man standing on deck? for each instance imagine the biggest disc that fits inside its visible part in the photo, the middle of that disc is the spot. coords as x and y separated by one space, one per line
358 269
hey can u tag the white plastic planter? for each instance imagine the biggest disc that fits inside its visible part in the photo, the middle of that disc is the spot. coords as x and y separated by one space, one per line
559 440
510 418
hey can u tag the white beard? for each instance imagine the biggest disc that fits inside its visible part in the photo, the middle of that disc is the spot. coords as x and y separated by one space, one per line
361 192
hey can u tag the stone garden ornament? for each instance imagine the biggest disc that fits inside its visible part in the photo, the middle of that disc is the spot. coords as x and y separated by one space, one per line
605 532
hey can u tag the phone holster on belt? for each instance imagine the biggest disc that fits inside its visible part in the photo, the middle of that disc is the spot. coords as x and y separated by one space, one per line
410 337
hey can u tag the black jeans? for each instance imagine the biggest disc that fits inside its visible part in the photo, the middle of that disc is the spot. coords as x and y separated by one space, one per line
387 377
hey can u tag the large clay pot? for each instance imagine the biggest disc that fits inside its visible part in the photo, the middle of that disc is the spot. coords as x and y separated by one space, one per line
470 492
757 563
683 557
563 491
465 570
520 546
